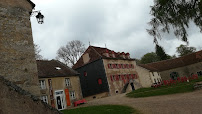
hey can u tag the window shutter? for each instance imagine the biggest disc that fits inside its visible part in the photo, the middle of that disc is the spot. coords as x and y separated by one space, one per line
100 81
108 65
111 78
119 65
127 76
117 77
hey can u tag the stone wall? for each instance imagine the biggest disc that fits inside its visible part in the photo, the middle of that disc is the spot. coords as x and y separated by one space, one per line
15 100
182 71
17 61
144 76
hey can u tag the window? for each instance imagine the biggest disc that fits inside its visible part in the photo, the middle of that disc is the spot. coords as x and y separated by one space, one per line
67 82
174 75
199 73
72 95
122 77
85 73
127 66
114 78
100 81
122 66
42 84
117 66
155 81
44 99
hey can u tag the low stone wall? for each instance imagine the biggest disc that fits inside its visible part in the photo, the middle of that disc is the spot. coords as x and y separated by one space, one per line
15 100
198 86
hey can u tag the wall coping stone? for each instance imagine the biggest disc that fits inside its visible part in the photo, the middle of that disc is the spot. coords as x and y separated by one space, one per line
21 91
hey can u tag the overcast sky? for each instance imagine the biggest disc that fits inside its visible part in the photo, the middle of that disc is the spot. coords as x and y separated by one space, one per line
120 24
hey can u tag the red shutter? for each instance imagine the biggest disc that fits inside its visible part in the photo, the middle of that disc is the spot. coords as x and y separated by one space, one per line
111 78
132 65
108 65
119 65
99 81
122 77
127 76
133 77
117 77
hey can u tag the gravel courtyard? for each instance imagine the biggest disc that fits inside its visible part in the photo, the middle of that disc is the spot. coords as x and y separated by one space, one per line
183 103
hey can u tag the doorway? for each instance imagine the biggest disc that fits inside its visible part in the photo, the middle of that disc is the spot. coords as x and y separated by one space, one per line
132 86
60 99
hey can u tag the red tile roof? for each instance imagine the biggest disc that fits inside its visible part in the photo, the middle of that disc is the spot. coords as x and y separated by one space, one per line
96 53
174 63
54 68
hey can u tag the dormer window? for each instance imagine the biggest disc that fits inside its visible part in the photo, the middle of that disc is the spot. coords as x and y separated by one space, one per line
127 55
123 55
113 54
106 53
57 68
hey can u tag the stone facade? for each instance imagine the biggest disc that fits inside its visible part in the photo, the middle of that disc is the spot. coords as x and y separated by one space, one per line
15 100
17 62
144 76
183 71
117 86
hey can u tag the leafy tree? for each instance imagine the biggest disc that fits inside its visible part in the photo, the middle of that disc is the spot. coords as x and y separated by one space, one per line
37 52
149 58
71 52
161 53
176 14
184 50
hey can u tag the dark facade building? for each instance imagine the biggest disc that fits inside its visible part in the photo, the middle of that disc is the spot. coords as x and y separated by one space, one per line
104 72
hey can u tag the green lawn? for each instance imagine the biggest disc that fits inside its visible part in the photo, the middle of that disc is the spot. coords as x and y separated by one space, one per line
164 90
102 109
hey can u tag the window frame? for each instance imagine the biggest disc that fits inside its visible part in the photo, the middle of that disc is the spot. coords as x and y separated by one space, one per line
67 82
42 84
44 98
72 95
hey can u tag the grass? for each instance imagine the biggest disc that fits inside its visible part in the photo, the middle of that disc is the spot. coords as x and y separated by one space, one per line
164 90
102 109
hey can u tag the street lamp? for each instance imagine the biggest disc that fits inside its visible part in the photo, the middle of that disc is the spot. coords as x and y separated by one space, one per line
39 16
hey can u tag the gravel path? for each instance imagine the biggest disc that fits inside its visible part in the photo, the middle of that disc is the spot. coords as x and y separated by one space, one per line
184 103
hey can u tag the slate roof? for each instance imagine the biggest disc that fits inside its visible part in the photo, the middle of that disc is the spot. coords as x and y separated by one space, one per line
54 68
96 53
33 5
174 63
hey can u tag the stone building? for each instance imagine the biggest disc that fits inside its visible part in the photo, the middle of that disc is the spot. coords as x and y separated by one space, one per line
148 76
59 84
104 72
17 62
178 67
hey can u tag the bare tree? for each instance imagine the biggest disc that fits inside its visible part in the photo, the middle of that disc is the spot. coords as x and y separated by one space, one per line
37 51
71 52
